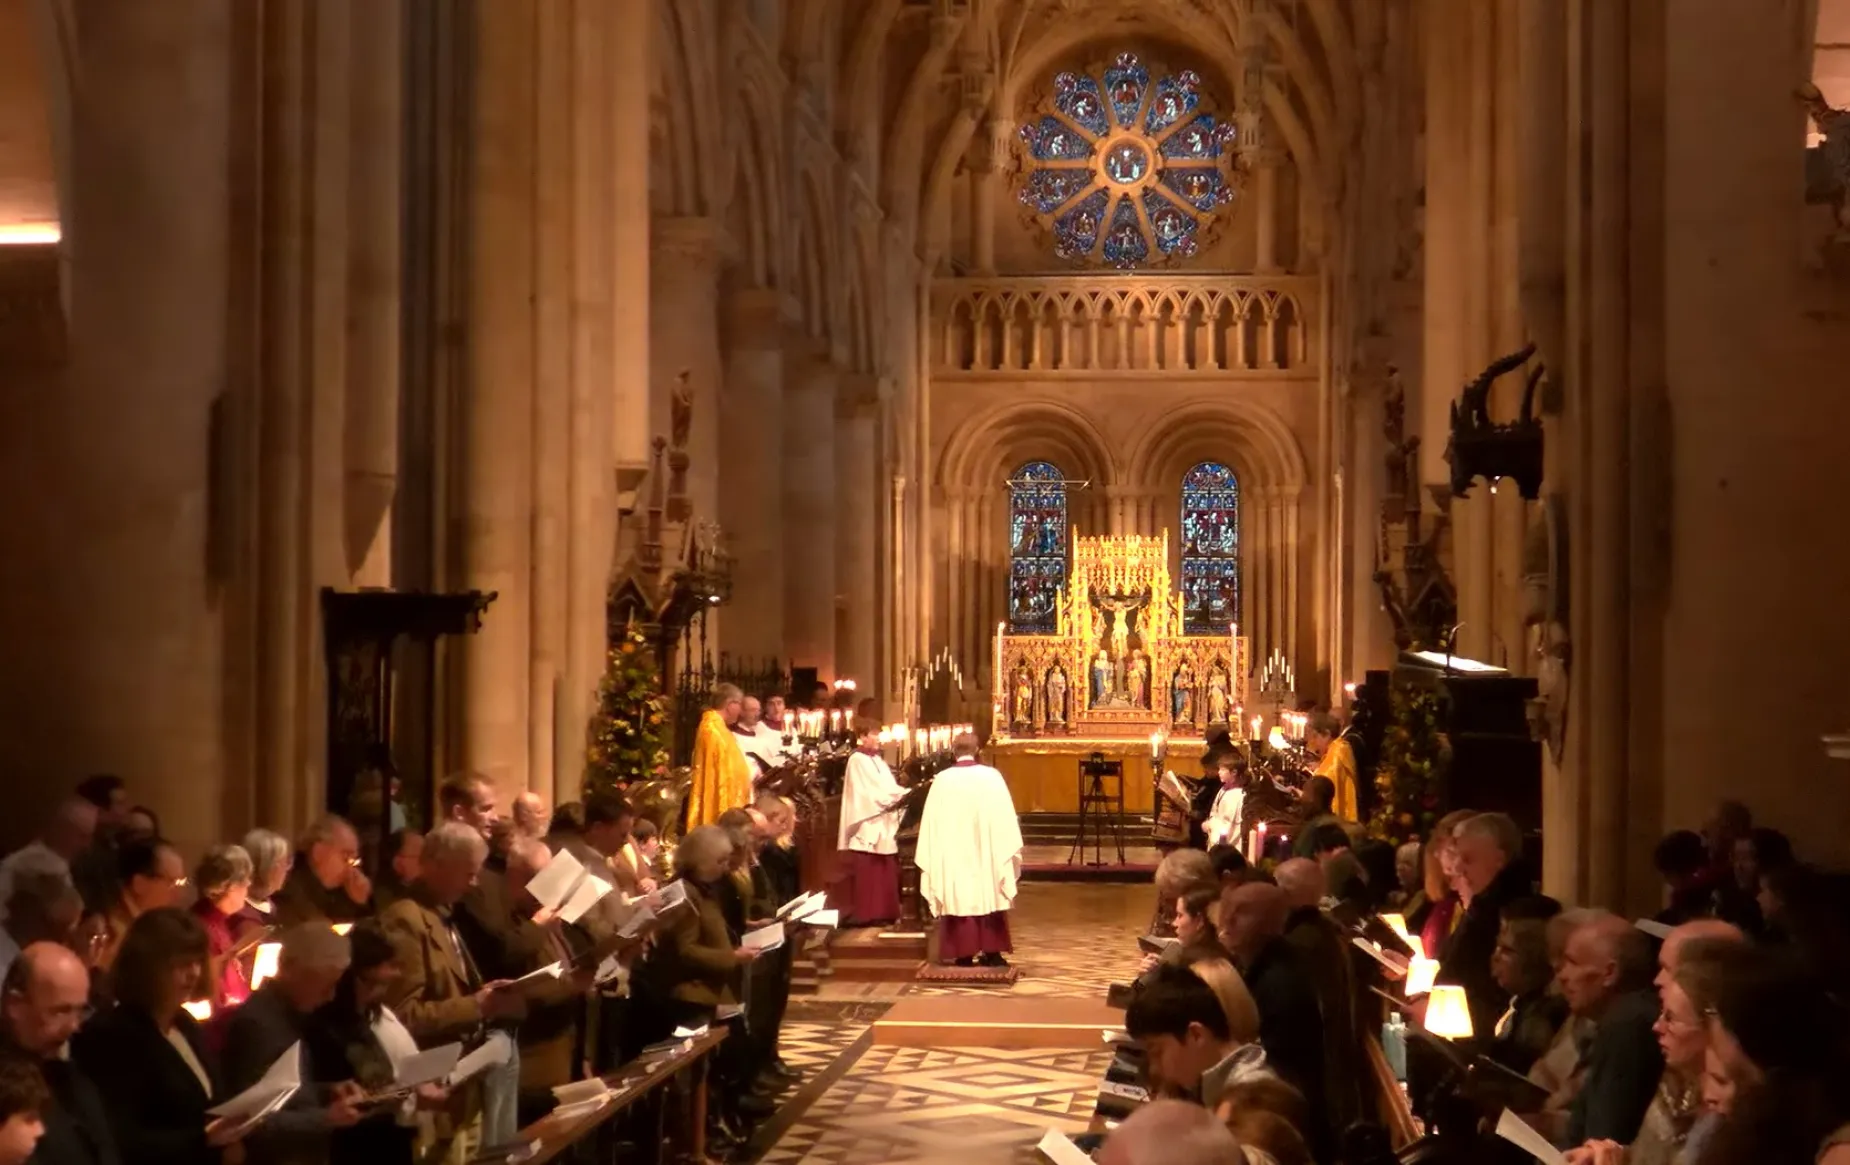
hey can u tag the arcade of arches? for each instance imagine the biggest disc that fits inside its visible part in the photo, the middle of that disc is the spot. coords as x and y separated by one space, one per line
350 293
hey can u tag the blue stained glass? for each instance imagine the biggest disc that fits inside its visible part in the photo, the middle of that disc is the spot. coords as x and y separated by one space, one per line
1078 97
1076 232
1052 140
1125 245
1125 82
1210 549
1174 228
1201 140
1202 187
1176 98
1048 190
1037 547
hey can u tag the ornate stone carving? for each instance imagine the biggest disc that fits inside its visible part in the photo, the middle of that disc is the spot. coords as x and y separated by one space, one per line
1545 592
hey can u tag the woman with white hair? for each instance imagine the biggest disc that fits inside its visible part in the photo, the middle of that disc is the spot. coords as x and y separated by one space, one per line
223 880
272 857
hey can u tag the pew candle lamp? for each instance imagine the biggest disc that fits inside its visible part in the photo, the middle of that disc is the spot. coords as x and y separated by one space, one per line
1448 1014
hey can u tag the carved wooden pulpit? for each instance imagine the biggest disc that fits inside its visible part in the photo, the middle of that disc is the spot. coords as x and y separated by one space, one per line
362 630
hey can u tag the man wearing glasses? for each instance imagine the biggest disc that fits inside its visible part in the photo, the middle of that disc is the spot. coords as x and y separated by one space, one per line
326 884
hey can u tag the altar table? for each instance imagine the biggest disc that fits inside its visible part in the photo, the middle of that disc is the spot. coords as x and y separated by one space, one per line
1043 772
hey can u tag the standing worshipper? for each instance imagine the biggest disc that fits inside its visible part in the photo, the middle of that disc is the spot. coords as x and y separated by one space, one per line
869 837
722 777
970 858
1335 760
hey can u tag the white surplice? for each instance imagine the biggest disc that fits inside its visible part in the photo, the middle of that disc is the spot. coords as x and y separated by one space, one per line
969 852
1223 822
764 746
869 821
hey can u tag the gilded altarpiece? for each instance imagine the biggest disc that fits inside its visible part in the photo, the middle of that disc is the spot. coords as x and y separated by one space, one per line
1118 664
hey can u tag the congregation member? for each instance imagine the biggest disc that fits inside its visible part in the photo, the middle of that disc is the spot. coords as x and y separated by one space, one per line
44 997
94 871
272 1022
721 775
1491 874
549 1032
1683 862
151 877
23 1100
530 819
1180 871
223 879
1670 952
1435 918
1190 1047
398 866
1322 950
1323 736
43 908
1409 892
596 841
1315 809
64 839
1252 928
1172 1132
1195 936
272 857
148 1057
1606 980
642 849
969 858
868 837
1521 967
326 883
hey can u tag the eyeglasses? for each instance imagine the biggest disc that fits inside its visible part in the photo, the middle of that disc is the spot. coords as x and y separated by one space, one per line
1670 1021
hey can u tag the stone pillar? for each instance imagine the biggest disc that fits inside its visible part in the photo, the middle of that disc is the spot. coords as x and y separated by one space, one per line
989 155
628 59
752 416
857 488
115 636
810 502
1265 210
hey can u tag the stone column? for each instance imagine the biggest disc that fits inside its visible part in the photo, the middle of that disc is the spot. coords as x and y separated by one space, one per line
857 488
628 59
810 502
116 644
1265 210
752 416
684 338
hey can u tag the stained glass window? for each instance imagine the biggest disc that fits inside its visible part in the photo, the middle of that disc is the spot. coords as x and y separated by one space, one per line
1210 549
1037 547
1125 171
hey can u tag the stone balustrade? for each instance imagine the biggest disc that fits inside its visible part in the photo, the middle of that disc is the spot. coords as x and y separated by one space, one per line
1082 325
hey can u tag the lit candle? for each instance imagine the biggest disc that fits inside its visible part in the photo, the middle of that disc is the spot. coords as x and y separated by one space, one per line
919 740
1259 851
1156 747
1257 721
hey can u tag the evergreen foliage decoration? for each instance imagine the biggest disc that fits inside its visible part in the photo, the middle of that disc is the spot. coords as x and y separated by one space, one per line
1410 778
628 737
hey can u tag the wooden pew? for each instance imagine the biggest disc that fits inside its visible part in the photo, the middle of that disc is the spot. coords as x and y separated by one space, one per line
556 1133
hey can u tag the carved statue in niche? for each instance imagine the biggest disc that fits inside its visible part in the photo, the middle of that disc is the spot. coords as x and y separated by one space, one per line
681 410
1218 706
1545 593
1137 679
1056 696
1024 695
1827 174
1101 678
1182 694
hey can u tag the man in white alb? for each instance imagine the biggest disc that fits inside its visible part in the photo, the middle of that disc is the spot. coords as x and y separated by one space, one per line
763 745
1223 824
869 837
970 858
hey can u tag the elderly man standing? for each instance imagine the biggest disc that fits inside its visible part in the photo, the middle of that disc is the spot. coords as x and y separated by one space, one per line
1252 928
1491 875
46 996
530 817
722 777
326 885
1605 977
969 858
273 1021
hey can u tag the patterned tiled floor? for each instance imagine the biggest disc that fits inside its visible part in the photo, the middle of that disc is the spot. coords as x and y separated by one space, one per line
866 1105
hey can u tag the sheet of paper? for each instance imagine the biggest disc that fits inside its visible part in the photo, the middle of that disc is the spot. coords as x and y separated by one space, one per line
587 894
823 918
581 1091
637 922
549 971
263 967
554 884
728 1011
765 938
609 970
1517 1132
282 1078
668 897
1655 929
690 1033
494 1052
800 904
426 1067
1058 1148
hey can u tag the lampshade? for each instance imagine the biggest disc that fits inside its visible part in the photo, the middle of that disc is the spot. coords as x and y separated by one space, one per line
1398 924
1420 975
1447 1013
264 965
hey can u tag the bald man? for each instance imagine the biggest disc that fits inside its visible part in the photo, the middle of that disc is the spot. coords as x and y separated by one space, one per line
1253 918
1605 977
1669 956
530 818
1322 950
1171 1132
46 993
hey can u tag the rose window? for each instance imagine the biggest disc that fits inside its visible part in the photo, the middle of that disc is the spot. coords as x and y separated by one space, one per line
1125 172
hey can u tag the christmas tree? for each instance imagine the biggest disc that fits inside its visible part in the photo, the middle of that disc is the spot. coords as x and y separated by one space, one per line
629 727
1410 778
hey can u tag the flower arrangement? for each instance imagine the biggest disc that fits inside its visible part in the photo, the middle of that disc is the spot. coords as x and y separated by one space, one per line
1410 778
629 729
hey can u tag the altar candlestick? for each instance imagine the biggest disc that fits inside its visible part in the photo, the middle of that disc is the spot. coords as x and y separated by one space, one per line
1257 721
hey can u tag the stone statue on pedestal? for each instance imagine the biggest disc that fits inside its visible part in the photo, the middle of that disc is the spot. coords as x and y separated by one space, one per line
1056 696
1218 708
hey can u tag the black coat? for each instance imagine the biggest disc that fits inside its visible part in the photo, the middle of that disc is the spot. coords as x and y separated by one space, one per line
1465 960
157 1111
259 1032
1291 1032
76 1122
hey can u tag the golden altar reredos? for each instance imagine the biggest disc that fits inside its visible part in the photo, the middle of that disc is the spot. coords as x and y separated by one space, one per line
1118 666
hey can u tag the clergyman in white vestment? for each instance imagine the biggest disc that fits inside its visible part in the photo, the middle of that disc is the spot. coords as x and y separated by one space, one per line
969 858
868 839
